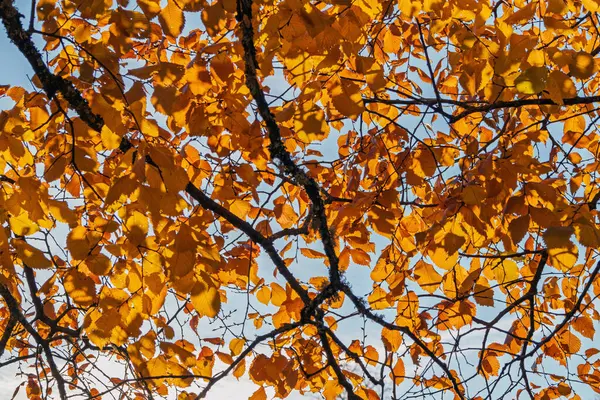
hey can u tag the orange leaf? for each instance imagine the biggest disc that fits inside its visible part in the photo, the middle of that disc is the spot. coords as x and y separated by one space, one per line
171 19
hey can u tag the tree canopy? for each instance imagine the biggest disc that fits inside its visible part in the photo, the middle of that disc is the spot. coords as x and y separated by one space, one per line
362 199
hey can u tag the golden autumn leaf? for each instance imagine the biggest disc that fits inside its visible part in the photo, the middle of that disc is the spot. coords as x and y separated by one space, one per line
205 297
532 80
562 252
236 346
151 8
346 98
584 326
569 342
427 276
392 339
398 371
582 65
31 256
560 86
171 19
137 227
491 366
22 225
259 394
473 195
506 271
78 243
80 287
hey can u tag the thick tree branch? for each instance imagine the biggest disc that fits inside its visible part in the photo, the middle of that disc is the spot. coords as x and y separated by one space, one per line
8 330
51 83
277 148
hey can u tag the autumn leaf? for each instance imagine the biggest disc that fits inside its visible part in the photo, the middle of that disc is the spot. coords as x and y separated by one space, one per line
80 287
562 252
31 256
582 65
427 276
171 19
506 271
532 81
205 297
346 98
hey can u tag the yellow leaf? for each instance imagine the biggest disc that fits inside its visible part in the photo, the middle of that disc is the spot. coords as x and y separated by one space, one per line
205 297
562 253
558 6
278 294
427 277
285 215
78 244
360 256
569 342
347 99
563 258
151 8
80 287
99 264
110 140
310 124
560 86
536 58
171 19
484 295
564 389
424 163
442 259
558 236
5 256
198 79
236 346
56 168
378 299
240 208
310 253
240 369
518 228
582 65
222 67
506 271
263 295
21 225
137 228
586 232
225 358
392 339
31 256
523 15
213 18
532 81
332 390
490 366
585 326
61 211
